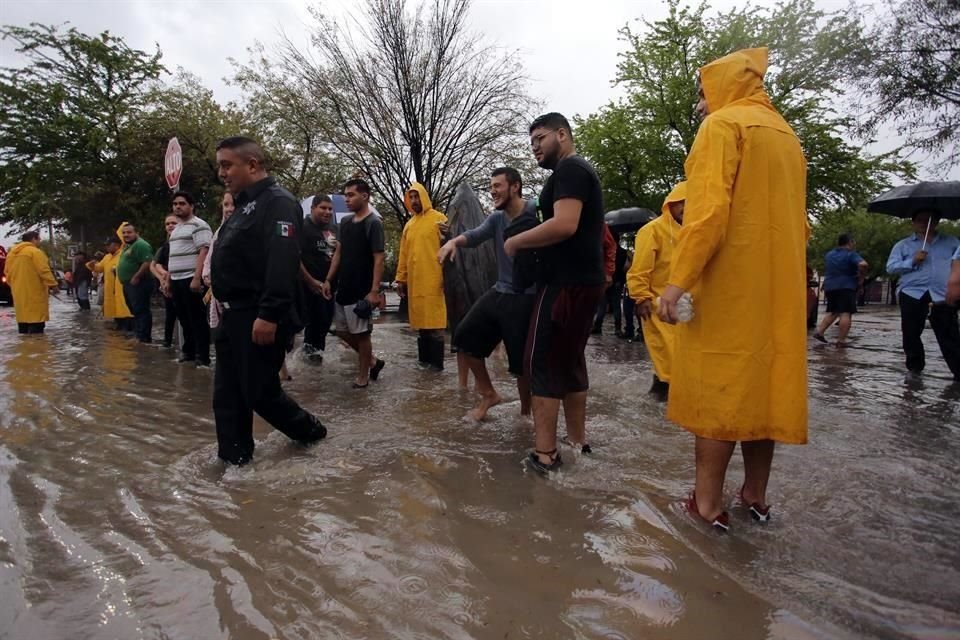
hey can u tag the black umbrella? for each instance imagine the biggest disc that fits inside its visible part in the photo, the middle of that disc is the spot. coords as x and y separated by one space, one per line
903 202
631 219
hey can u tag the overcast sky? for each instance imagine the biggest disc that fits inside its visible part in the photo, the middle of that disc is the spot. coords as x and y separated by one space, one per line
569 47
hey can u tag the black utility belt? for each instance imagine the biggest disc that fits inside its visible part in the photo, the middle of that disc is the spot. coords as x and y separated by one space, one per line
236 305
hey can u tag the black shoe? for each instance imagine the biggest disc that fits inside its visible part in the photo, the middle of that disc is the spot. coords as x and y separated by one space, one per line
555 461
819 337
183 359
319 431
203 364
167 345
376 369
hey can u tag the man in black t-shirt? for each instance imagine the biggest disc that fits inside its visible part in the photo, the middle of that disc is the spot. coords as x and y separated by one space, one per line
571 283
358 261
318 243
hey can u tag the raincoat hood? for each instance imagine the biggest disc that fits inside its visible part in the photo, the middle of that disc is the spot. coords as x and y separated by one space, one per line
424 198
19 248
679 194
733 77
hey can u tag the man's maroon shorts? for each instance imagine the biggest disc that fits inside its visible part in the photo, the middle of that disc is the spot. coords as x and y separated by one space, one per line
559 328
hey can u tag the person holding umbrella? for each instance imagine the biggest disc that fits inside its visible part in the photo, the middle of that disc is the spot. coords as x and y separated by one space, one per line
922 261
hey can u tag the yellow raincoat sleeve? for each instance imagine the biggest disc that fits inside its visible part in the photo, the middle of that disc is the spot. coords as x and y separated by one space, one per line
640 275
714 160
42 265
402 257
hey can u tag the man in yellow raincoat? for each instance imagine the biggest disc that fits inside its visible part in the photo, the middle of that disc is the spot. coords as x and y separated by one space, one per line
28 272
114 304
647 278
739 371
420 276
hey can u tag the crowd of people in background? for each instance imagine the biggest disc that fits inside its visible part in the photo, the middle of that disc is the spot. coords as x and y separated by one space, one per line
714 282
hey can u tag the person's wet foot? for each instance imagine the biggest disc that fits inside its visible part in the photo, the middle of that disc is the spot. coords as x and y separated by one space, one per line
484 405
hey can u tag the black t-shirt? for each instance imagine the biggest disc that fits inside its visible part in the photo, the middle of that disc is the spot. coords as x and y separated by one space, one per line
358 242
578 259
163 255
317 245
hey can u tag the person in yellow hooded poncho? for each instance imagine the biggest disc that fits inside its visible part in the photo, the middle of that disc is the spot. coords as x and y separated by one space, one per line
647 278
739 371
420 276
30 277
114 304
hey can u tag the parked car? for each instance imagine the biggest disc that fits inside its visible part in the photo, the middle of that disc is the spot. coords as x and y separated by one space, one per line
6 295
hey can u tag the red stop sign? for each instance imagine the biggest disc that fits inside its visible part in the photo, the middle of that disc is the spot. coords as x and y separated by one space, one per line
173 163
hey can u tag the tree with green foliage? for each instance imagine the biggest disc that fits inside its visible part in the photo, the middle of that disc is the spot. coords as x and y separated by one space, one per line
414 95
67 126
290 118
912 78
811 52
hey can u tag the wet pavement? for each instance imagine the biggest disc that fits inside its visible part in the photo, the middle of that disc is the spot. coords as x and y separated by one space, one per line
409 522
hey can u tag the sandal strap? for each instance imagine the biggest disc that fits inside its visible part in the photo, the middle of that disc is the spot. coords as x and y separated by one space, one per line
550 453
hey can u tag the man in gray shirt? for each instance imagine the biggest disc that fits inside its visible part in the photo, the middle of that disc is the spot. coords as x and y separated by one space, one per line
189 244
503 313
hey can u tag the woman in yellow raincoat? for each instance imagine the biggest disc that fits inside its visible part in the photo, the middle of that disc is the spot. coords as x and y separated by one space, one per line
739 371
647 278
114 304
28 272
420 276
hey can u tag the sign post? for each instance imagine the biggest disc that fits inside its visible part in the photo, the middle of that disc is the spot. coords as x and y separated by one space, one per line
173 164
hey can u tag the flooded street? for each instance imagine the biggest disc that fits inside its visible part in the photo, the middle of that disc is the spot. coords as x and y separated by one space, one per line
117 521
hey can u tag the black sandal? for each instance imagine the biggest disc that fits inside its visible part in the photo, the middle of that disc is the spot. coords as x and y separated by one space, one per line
360 386
555 461
376 369
584 448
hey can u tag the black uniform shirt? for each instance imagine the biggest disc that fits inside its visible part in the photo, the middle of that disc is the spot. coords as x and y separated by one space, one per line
256 258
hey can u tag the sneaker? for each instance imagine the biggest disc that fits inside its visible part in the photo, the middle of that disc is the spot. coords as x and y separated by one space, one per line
721 523
183 359
819 337
758 513
203 364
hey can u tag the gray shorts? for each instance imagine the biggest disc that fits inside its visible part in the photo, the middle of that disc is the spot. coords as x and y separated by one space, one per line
348 322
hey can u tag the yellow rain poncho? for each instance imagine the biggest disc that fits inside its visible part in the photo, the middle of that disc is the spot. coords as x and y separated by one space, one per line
740 366
648 275
417 265
114 304
28 272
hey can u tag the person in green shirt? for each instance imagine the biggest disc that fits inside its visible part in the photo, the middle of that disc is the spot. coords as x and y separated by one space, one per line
133 270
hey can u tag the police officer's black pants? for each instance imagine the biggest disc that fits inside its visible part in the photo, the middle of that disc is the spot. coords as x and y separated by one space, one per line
192 314
247 380
943 319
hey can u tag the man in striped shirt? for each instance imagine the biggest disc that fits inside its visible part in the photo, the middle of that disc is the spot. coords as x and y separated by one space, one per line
189 244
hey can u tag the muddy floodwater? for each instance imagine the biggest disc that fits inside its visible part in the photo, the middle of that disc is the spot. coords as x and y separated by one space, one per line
117 521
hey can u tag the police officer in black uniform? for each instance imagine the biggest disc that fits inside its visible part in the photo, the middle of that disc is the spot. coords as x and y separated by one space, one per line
254 268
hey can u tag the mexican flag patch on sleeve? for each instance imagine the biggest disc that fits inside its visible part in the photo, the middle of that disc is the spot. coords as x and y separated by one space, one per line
285 229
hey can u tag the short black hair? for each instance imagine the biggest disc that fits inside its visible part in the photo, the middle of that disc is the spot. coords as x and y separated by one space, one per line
30 236
844 239
183 194
247 147
552 120
512 175
361 185
318 199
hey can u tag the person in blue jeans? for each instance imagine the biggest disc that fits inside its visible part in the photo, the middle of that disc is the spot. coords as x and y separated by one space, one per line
922 261
844 270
